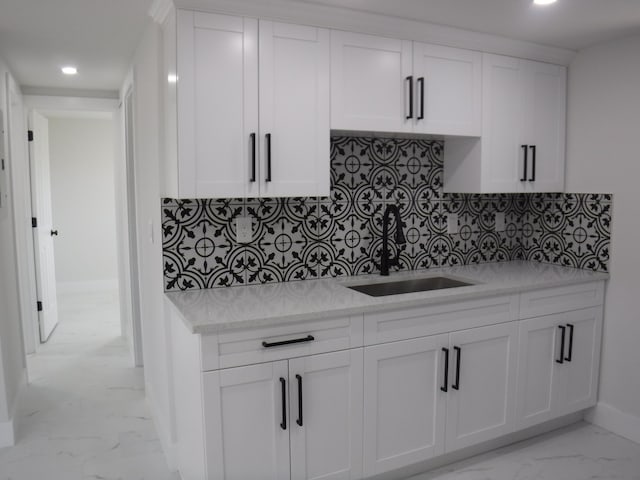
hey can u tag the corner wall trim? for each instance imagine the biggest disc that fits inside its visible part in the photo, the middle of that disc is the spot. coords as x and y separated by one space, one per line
168 446
616 421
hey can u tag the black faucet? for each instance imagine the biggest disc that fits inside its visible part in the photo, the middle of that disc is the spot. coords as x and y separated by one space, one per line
385 261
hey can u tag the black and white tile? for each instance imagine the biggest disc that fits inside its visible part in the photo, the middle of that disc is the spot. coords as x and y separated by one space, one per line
305 238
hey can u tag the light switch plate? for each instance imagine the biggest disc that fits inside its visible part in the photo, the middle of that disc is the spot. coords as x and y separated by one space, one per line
244 229
452 223
499 222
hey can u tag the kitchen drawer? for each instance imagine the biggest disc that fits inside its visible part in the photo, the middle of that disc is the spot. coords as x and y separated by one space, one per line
416 322
244 347
561 299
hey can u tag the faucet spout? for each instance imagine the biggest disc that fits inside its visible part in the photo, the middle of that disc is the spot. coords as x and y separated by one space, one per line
385 261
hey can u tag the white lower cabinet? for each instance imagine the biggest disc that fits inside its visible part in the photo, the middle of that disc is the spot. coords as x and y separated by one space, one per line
558 365
432 395
298 419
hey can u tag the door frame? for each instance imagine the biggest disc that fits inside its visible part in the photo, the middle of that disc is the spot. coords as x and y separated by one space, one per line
112 106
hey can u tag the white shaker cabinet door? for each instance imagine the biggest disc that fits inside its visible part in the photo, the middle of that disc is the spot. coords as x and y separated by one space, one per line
544 126
217 104
369 86
404 406
326 416
481 402
294 142
581 359
247 422
538 372
448 90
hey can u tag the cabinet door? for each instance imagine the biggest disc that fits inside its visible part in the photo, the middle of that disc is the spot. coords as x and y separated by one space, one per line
369 90
326 416
538 372
294 110
448 90
582 359
217 107
246 433
404 408
502 138
545 120
481 403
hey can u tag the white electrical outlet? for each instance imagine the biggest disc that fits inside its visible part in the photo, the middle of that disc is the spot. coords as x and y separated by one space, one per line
499 222
244 229
452 223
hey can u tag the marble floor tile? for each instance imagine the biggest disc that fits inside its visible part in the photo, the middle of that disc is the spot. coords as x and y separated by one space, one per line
84 415
578 452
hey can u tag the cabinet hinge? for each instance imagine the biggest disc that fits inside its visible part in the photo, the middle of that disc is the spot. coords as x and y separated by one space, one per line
39 305
34 222
30 135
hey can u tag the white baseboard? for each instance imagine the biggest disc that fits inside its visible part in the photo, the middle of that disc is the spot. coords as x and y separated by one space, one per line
93 286
616 421
7 434
166 442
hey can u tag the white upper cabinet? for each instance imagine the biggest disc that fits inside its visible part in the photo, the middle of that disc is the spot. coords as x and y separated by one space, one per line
389 85
273 91
448 90
522 148
370 83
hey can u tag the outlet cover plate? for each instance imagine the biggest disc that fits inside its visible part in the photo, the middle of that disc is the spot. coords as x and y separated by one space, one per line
499 222
452 223
244 230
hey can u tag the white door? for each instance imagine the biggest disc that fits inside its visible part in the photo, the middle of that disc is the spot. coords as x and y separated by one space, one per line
294 110
502 138
448 89
326 416
481 402
404 406
44 232
544 130
370 84
582 360
218 105
248 431
538 372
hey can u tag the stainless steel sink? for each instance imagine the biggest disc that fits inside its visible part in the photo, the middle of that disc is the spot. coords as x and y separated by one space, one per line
408 286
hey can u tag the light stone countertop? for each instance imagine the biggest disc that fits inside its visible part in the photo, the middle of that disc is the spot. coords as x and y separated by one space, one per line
218 309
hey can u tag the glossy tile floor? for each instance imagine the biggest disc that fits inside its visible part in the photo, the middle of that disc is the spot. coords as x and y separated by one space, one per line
83 415
578 452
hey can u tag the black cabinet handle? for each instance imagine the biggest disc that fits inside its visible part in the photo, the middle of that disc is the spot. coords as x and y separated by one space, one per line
533 164
283 384
410 80
524 172
563 330
54 233
299 421
456 385
308 338
421 83
445 383
570 353
253 157
268 139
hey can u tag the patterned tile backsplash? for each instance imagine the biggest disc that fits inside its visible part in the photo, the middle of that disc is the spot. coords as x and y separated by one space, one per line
302 238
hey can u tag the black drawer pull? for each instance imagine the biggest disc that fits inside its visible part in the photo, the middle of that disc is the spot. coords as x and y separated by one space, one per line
533 164
299 421
253 157
445 382
308 338
570 354
283 384
410 88
524 172
456 385
563 330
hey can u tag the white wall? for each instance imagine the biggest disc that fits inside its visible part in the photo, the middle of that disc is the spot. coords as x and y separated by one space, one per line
157 359
12 360
83 201
603 127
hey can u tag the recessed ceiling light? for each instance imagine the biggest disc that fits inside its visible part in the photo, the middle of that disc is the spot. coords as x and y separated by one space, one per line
544 2
69 70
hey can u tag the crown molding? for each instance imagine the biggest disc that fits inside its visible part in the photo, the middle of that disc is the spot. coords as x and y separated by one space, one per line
159 10
339 18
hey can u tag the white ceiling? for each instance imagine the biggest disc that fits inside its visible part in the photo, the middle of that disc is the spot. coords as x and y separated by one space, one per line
37 37
572 24
99 36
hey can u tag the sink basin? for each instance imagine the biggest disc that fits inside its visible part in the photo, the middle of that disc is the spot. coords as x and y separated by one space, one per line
408 286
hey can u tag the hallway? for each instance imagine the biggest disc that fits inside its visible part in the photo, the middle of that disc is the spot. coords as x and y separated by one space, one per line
84 415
